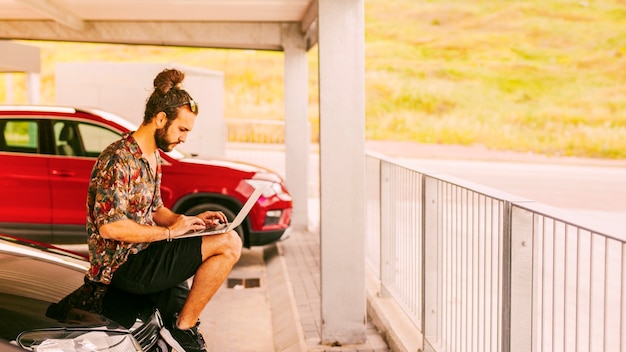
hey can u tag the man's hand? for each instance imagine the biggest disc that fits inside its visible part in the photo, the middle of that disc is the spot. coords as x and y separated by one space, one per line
185 224
212 219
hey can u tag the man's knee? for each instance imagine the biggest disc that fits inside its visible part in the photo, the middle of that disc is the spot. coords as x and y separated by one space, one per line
227 244
234 246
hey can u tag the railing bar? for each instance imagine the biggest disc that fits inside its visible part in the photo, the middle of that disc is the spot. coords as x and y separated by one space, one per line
413 254
605 293
417 254
465 254
488 273
591 245
457 289
410 256
399 248
460 236
554 298
381 207
565 282
452 263
500 272
442 259
497 283
543 280
532 275
491 283
418 245
407 242
401 236
468 295
623 300
485 272
459 268
449 260
578 288
454 267
474 278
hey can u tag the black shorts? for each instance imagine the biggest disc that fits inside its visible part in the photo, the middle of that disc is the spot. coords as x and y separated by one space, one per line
161 266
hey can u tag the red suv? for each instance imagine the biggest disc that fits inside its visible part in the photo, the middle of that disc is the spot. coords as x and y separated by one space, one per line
46 157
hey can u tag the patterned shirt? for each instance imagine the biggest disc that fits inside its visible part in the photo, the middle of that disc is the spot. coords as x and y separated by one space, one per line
121 187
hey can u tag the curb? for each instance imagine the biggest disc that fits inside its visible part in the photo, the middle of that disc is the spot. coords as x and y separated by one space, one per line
400 334
288 333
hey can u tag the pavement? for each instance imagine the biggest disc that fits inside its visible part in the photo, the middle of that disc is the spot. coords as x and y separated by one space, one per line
271 302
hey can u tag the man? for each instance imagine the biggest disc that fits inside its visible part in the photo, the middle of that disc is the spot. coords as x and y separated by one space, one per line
132 236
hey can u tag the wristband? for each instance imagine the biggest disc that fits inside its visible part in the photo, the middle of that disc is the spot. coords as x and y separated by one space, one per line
169 235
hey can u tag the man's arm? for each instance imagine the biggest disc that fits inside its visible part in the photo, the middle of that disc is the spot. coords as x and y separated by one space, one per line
165 217
170 225
129 231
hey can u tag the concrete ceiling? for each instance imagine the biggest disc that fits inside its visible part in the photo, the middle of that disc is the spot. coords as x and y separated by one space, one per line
238 24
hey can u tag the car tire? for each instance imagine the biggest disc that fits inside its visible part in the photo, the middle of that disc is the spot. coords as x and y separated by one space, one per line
230 215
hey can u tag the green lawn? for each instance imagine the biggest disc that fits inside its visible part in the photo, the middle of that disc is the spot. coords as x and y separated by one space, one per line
546 76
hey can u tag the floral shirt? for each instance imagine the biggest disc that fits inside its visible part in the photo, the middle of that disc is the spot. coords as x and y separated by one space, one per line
121 187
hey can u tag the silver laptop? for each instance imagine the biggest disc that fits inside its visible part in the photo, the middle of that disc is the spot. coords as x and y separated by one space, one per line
221 228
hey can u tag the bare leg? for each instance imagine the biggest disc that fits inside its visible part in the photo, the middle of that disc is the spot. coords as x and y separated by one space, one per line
219 254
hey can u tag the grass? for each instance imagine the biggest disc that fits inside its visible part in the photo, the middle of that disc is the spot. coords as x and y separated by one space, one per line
547 76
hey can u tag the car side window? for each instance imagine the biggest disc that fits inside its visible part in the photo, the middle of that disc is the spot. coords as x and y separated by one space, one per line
96 138
66 140
21 136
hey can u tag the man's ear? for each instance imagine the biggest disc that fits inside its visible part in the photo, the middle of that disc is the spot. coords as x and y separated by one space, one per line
160 119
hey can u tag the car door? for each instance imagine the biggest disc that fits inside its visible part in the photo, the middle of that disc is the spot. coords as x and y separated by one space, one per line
78 144
25 203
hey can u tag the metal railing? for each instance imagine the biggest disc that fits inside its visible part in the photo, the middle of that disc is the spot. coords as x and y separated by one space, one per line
480 270
256 131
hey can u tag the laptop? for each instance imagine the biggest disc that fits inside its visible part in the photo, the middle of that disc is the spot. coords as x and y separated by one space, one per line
221 228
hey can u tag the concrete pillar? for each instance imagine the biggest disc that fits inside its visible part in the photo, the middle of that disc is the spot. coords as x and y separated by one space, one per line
9 88
297 134
342 170
33 87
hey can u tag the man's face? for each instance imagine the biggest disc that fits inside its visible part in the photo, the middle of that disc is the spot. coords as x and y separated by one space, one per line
175 131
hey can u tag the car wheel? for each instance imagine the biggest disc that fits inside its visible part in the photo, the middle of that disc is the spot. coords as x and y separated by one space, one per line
200 208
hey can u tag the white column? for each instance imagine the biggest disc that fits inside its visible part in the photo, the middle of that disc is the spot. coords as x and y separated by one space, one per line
33 86
297 134
9 88
342 170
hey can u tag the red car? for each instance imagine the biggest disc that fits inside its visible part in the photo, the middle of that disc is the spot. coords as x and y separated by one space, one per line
46 158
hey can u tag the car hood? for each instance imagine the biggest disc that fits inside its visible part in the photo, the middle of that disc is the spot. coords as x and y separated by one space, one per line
208 166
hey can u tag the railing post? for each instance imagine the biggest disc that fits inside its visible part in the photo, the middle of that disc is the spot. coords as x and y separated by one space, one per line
517 326
385 206
430 254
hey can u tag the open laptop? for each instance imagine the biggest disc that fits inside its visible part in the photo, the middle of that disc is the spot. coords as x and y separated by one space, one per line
221 228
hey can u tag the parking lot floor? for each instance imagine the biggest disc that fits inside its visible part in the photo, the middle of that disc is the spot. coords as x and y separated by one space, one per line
271 302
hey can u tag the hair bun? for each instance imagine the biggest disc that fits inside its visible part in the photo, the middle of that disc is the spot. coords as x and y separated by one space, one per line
168 79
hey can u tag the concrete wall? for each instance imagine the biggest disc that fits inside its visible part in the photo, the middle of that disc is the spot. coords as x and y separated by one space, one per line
123 89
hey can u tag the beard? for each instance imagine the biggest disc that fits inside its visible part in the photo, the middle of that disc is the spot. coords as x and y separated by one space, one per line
161 139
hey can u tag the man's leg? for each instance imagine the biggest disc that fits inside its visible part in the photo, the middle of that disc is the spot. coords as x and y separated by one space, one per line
171 301
219 254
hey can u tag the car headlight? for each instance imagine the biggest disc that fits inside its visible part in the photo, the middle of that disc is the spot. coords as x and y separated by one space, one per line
56 340
271 188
